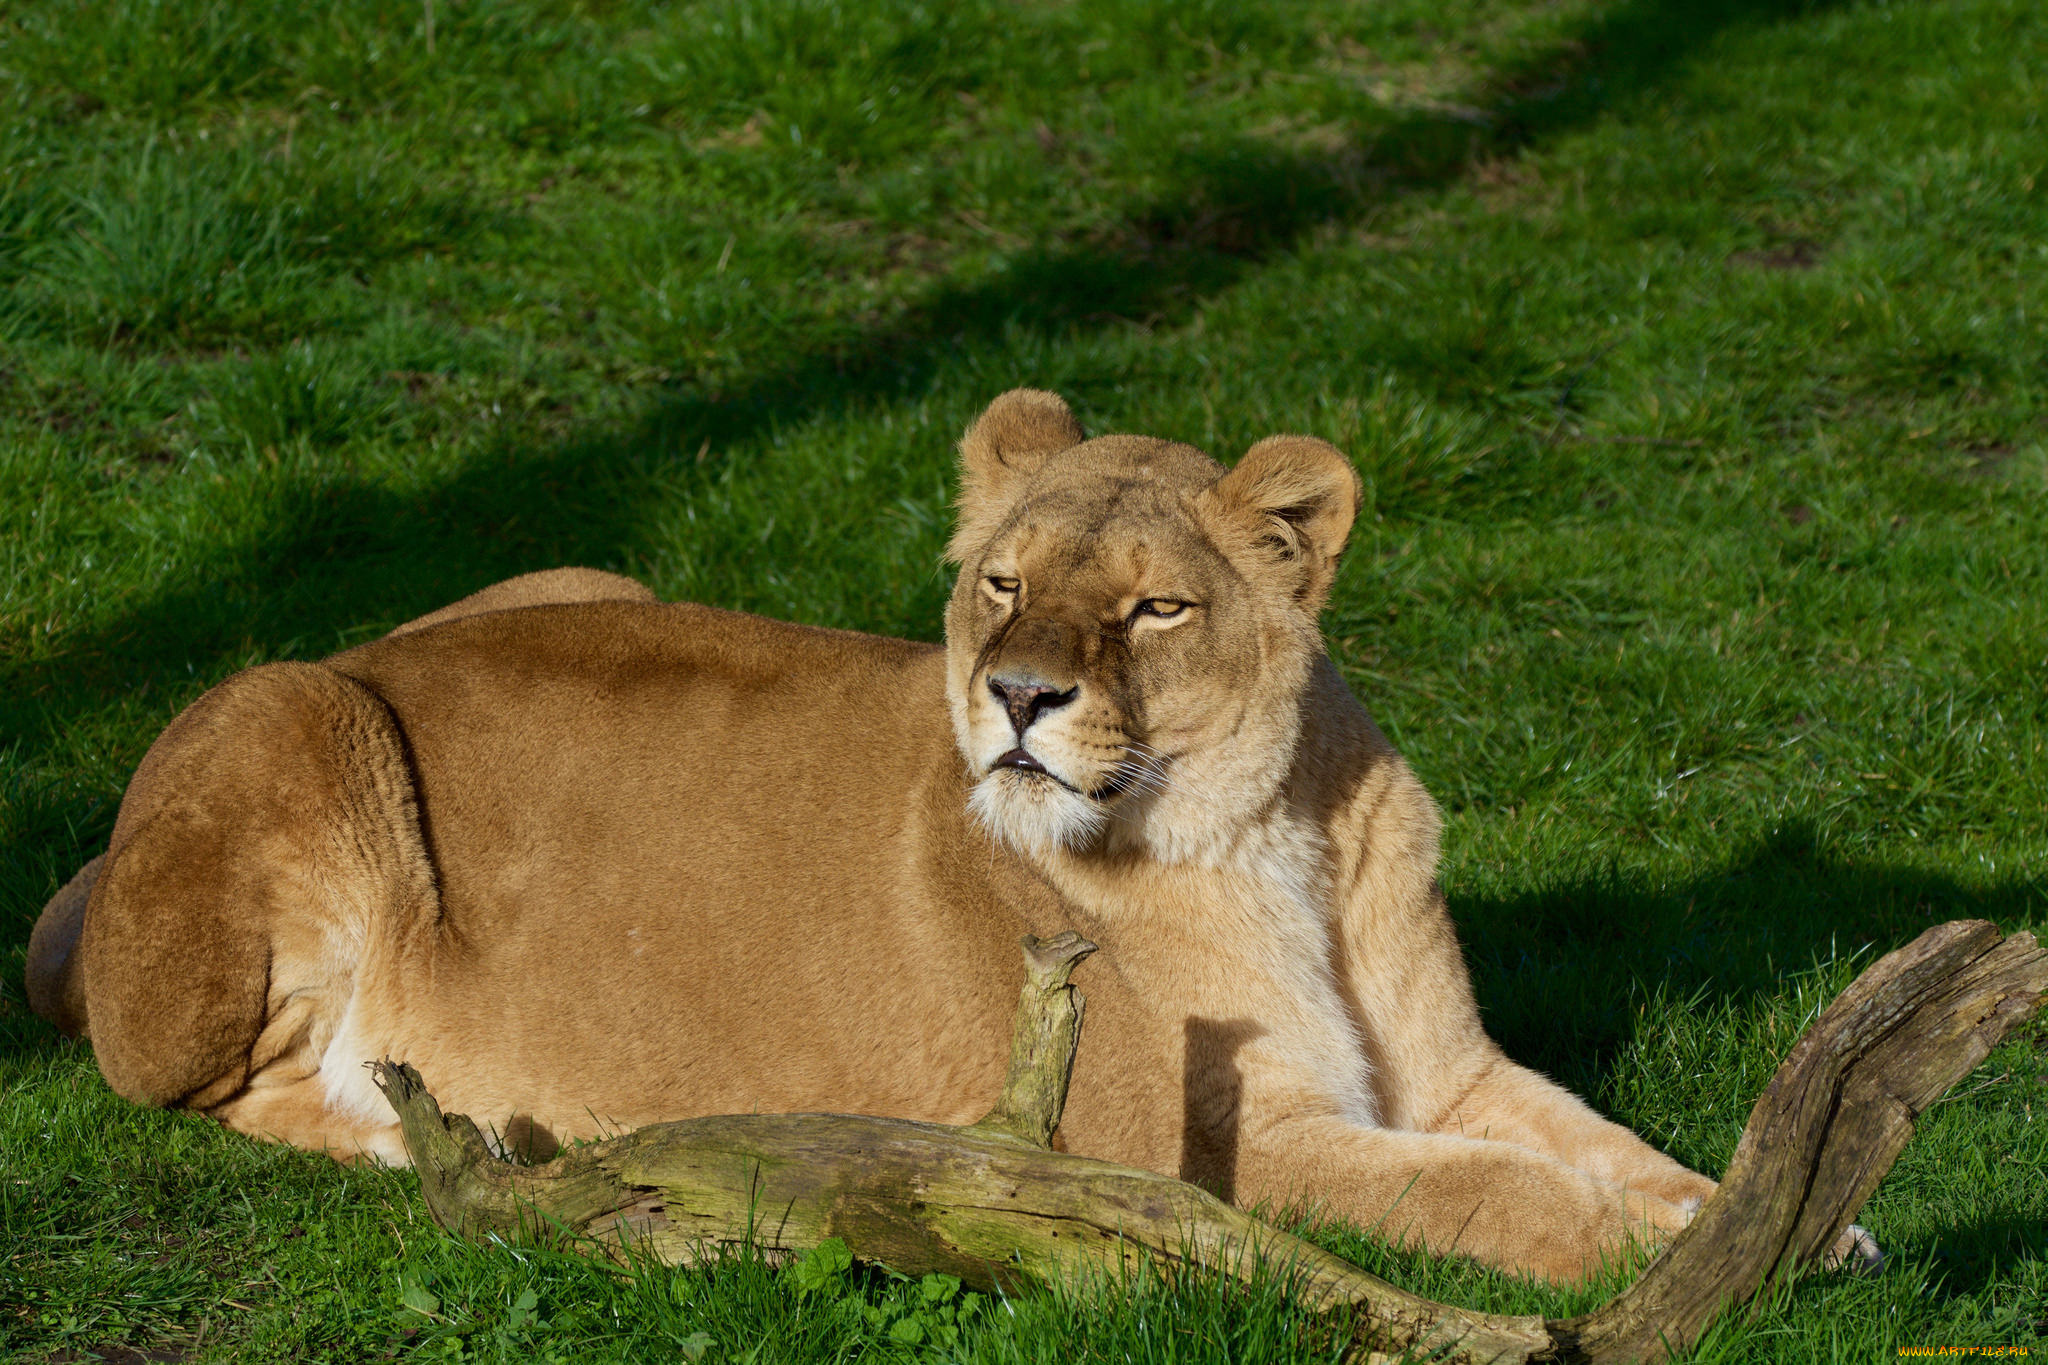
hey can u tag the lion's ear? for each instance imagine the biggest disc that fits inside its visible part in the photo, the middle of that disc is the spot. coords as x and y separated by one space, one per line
1009 440
1292 499
1015 435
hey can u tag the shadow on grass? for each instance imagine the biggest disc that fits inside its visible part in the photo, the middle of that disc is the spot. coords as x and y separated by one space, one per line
1973 1256
1559 968
331 552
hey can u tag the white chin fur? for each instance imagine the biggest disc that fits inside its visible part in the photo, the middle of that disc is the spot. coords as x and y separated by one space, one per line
1035 814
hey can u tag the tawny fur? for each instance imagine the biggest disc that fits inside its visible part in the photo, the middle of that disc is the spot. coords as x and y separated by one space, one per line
590 861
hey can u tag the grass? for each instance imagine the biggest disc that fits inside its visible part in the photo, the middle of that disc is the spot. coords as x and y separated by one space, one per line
1695 356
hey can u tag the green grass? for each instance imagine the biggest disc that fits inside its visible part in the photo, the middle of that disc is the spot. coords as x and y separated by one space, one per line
1695 356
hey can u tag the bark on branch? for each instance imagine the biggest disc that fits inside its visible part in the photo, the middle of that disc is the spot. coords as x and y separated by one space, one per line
992 1204
1042 1044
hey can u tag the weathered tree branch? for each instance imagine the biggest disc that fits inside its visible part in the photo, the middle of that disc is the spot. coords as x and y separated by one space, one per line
1043 1042
992 1204
1827 1128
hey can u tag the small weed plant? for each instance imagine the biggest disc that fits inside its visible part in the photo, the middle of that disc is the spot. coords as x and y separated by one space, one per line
929 1310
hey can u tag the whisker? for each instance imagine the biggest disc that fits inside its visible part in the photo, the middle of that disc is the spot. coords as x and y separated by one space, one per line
1141 771
1142 780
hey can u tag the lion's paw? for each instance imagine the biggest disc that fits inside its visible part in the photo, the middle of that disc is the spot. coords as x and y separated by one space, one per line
1855 1251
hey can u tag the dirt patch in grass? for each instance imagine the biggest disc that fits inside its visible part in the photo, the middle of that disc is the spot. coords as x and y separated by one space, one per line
1791 256
1982 464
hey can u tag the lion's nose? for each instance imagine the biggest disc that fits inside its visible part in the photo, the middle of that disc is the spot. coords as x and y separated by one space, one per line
1024 699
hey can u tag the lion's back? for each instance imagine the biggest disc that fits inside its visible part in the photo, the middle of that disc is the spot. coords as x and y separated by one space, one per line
667 821
622 746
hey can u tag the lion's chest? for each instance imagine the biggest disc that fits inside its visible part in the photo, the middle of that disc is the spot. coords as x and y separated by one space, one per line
1230 968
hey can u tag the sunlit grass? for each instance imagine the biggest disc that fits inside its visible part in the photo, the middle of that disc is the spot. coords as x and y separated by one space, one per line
1693 356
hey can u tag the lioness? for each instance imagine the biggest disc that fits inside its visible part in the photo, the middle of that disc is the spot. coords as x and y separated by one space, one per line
590 861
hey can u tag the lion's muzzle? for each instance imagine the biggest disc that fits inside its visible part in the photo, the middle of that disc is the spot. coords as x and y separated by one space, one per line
1024 698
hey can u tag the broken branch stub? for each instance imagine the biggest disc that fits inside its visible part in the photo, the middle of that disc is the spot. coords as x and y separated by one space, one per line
993 1205
1043 1044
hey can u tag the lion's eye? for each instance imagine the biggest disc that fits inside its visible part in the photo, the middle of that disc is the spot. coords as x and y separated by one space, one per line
1163 607
1000 586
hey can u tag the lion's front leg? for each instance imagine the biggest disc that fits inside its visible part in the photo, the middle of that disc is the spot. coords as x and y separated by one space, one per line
1438 1072
1510 1103
1513 1104
1498 1202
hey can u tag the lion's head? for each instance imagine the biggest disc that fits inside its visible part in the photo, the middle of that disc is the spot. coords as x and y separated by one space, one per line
1133 627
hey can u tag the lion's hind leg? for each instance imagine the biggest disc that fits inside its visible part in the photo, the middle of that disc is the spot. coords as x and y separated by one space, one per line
300 1113
266 890
55 989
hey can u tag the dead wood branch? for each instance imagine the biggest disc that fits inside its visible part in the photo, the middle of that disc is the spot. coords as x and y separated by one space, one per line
1827 1128
994 1205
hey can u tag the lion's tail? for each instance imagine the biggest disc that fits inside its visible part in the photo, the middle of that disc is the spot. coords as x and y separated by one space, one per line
56 988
